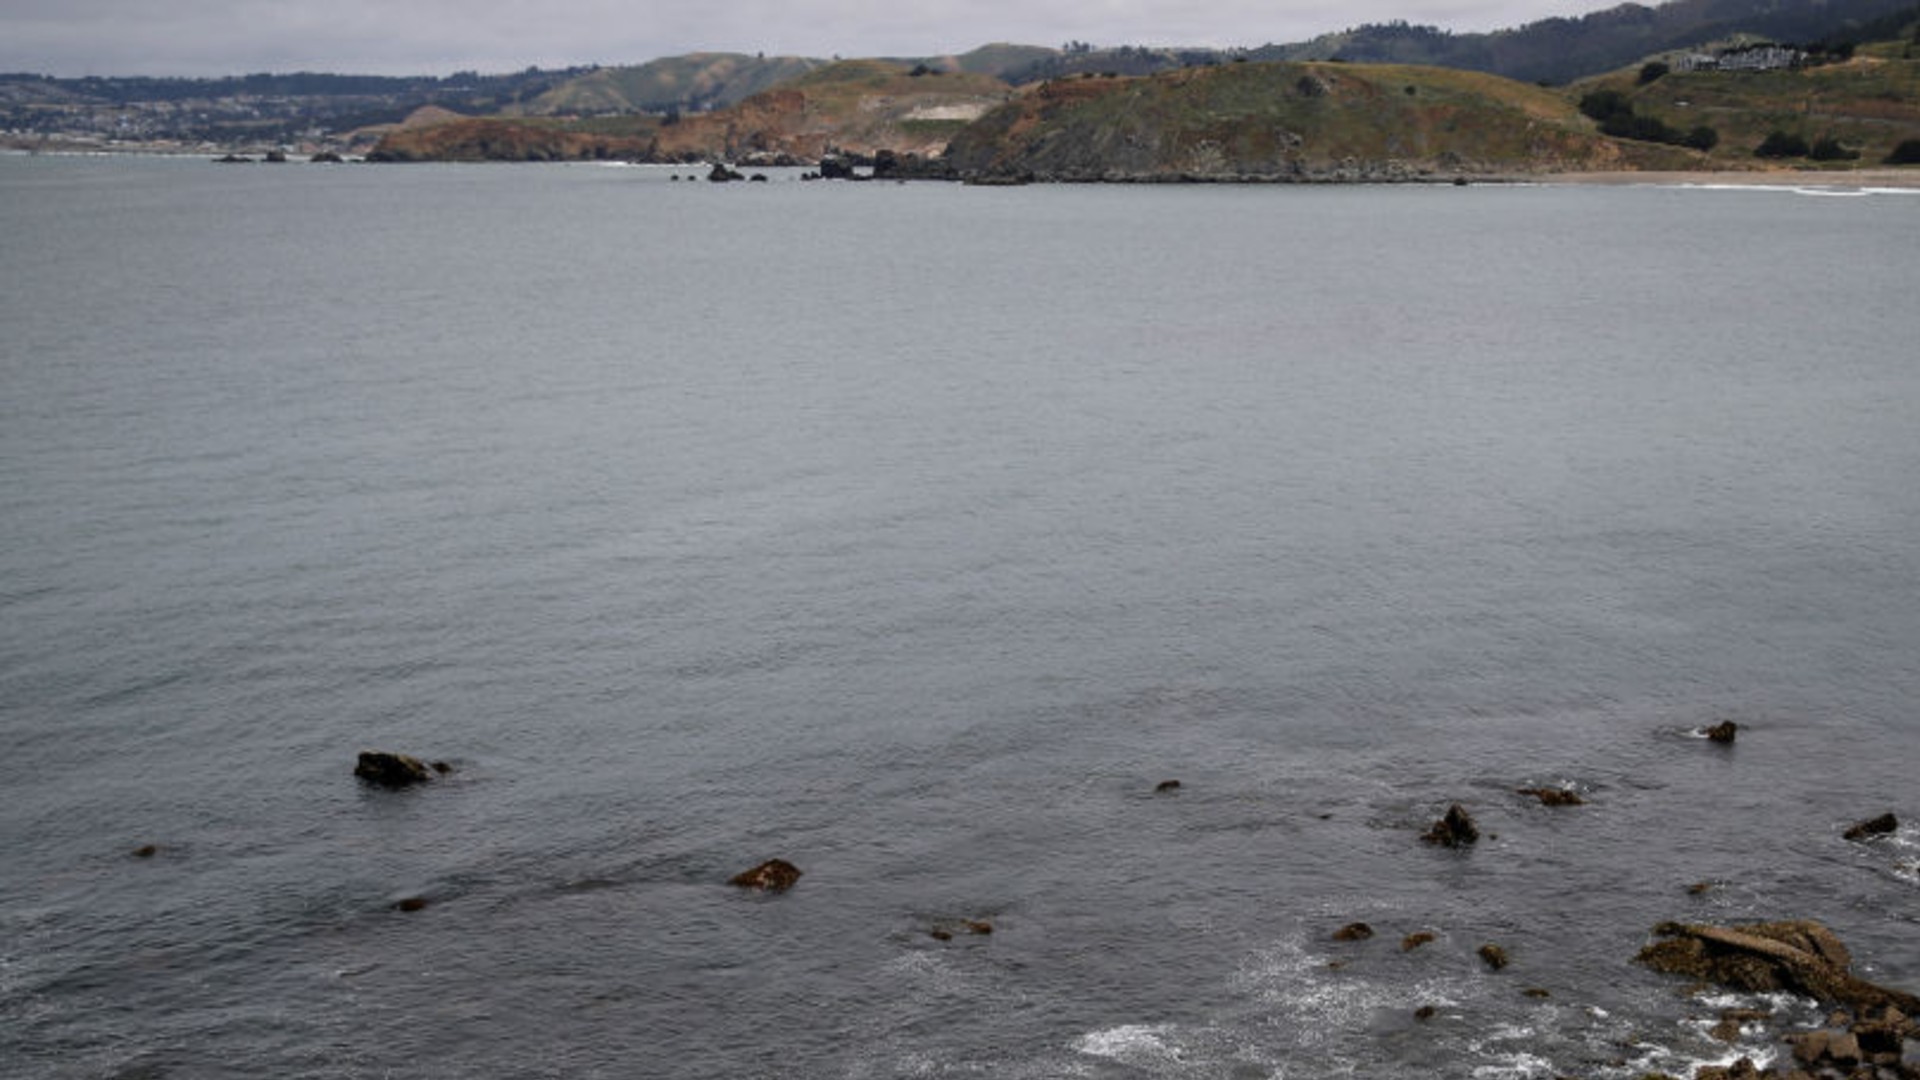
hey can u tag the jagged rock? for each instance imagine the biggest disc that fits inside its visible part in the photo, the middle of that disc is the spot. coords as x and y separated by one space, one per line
1494 955
774 875
1456 829
1873 827
1732 1020
1555 796
720 174
1800 955
1354 931
1723 732
1743 1069
838 168
1415 940
386 769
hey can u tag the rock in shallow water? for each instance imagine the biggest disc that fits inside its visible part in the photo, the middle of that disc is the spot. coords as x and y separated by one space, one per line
1801 956
1872 827
774 875
1456 829
386 769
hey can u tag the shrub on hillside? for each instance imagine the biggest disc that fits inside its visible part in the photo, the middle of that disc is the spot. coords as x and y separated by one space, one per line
1781 144
1829 149
1907 153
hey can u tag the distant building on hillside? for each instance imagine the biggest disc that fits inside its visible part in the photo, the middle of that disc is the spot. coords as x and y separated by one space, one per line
1743 58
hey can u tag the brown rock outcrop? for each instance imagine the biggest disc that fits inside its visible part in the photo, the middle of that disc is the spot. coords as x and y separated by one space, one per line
1800 956
1872 827
384 768
774 875
1456 829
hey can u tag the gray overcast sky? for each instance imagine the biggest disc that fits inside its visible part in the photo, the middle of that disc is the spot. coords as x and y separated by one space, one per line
437 37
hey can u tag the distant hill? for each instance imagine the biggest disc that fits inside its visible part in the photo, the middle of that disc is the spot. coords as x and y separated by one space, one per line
853 106
691 83
1558 51
701 81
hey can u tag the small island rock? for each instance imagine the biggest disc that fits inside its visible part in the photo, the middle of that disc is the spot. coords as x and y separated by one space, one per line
774 875
386 769
1872 827
1456 829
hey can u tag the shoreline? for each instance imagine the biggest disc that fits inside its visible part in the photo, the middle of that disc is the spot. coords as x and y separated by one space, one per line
1889 177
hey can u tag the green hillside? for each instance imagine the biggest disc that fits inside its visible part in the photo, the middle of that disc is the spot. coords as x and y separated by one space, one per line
690 83
1295 122
1866 106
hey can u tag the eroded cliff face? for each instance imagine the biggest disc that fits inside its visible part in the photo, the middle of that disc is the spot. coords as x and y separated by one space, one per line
1289 122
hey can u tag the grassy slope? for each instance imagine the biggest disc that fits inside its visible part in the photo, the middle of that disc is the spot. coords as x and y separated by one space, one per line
694 80
1869 104
1294 120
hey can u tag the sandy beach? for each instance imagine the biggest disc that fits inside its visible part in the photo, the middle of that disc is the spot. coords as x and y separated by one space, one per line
1852 178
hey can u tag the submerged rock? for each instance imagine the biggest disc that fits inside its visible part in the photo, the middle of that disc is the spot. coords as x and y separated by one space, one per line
1800 956
1456 829
1353 931
386 769
774 875
1873 827
1415 940
1723 732
1494 955
1555 796
1165 786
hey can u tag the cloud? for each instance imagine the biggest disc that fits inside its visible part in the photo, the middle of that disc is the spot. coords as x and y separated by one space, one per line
224 37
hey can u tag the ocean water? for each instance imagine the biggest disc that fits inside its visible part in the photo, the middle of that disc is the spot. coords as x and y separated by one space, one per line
914 534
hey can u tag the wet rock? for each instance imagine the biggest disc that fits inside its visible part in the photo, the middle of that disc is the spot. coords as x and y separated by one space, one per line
1872 827
948 929
386 769
1555 796
1494 956
1415 940
721 174
326 157
1699 887
146 851
1456 829
411 904
838 168
774 875
1743 1069
1732 1020
1165 786
1537 992
1800 956
1723 732
1424 1013
1354 931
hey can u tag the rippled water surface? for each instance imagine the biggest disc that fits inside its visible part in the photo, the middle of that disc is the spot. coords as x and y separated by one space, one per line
915 534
